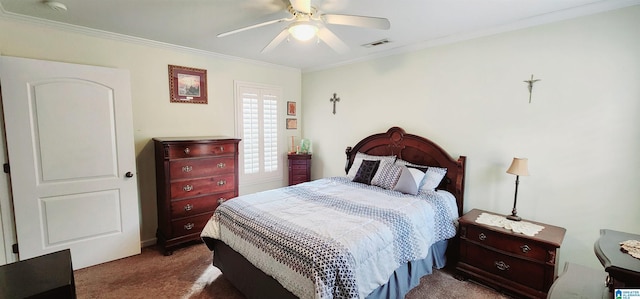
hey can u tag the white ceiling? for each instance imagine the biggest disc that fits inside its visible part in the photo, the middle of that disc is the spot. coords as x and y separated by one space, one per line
194 24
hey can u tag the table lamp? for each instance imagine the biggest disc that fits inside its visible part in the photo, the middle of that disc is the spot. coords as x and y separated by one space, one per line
518 167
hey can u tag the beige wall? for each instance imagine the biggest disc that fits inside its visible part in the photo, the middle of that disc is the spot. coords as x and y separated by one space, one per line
581 131
153 114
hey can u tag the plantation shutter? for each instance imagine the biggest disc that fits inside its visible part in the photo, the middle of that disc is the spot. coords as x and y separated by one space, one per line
259 130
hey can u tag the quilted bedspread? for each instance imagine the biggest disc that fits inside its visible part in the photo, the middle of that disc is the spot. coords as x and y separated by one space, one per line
333 238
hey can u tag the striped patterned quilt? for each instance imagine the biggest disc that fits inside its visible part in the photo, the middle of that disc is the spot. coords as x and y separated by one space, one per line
332 238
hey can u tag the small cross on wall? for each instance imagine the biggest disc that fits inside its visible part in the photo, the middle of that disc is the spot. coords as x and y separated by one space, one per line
334 100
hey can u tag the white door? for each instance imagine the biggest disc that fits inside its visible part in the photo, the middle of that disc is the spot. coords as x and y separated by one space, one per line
69 134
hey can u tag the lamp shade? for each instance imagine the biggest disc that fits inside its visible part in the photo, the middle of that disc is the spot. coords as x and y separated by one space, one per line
519 166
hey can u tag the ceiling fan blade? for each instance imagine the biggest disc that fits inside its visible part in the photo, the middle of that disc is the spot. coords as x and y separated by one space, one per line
253 26
332 40
276 41
303 6
358 21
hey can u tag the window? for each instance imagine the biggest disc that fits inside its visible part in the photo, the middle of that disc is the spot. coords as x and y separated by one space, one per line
257 124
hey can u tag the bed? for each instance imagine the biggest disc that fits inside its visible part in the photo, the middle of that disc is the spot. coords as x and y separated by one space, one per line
361 235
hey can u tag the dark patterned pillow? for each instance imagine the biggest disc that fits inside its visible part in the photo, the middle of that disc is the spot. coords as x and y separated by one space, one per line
387 175
366 171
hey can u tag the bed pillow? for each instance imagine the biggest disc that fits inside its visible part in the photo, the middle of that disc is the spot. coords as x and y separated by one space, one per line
358 160
432 178
366 171
409 181
387 175
433 175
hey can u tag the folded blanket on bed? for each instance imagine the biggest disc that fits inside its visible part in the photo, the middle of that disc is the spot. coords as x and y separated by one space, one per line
333 238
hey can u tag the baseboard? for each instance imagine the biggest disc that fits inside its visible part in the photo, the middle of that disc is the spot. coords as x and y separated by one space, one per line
149 242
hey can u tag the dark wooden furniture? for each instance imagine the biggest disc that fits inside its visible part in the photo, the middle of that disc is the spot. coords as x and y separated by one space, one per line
193 176
395 141
47 276
623 269
417 150
508 261
299 168
578 281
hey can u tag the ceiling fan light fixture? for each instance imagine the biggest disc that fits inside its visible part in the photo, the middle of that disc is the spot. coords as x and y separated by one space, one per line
303 31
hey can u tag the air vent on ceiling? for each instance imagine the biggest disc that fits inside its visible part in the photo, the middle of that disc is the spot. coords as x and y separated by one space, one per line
376 43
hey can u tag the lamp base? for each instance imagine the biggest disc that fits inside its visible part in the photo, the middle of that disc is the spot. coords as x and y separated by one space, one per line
514 217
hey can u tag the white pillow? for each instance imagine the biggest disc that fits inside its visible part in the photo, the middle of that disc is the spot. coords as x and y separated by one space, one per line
358 160
409 181
433 175
432 178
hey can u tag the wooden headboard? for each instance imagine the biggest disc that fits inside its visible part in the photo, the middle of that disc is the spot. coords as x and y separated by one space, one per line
417 150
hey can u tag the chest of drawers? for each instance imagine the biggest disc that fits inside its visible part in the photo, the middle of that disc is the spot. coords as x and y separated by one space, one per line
509 261
193 176
299 168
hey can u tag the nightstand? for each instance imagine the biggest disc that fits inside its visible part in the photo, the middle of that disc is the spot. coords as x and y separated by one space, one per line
299 168
509 261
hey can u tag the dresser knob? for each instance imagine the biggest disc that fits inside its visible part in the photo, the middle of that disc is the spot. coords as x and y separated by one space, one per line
188 207
221 182
222 149
221 200
189 226
525 248
482 237
502 266
187 188
187 150
187 168
221 165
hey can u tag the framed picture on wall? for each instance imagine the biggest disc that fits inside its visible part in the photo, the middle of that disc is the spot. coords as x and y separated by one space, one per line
187 85
291 108
292 123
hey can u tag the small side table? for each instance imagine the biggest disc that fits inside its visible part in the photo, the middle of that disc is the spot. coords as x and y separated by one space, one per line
509 261
623 269
299 168
47 276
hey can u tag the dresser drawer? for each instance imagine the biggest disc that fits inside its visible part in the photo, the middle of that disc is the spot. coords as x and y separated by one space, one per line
194 206
193 168
191 225
202 186
180 151
509 243
524 272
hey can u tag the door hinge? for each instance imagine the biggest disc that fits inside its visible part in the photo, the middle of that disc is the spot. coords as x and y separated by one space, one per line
14 248
6 168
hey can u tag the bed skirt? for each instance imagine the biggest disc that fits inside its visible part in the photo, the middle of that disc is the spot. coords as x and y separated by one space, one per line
253 283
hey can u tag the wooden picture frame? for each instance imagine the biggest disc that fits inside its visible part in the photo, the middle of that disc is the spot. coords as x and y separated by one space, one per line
187 85
291 108
292 123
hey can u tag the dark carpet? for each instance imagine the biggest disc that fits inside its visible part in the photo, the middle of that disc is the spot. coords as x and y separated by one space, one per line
188 273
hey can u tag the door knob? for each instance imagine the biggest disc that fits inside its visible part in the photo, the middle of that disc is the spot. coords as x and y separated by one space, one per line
129 174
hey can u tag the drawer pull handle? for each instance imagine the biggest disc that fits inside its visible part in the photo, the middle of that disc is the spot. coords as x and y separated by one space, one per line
221 200
189 226
525 248
188 207
482 237
187 188
187 168
221 165
502 266
222 148
221 182
187 150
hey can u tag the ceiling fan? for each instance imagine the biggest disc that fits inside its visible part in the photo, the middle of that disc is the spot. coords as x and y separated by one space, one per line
307 23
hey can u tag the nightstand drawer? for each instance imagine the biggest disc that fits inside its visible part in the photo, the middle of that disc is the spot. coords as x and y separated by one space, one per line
524 272
510 243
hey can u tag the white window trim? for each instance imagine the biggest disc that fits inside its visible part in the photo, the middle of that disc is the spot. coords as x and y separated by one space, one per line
277 176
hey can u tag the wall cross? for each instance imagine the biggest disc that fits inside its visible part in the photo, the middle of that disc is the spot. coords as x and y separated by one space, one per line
530 82
334 100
